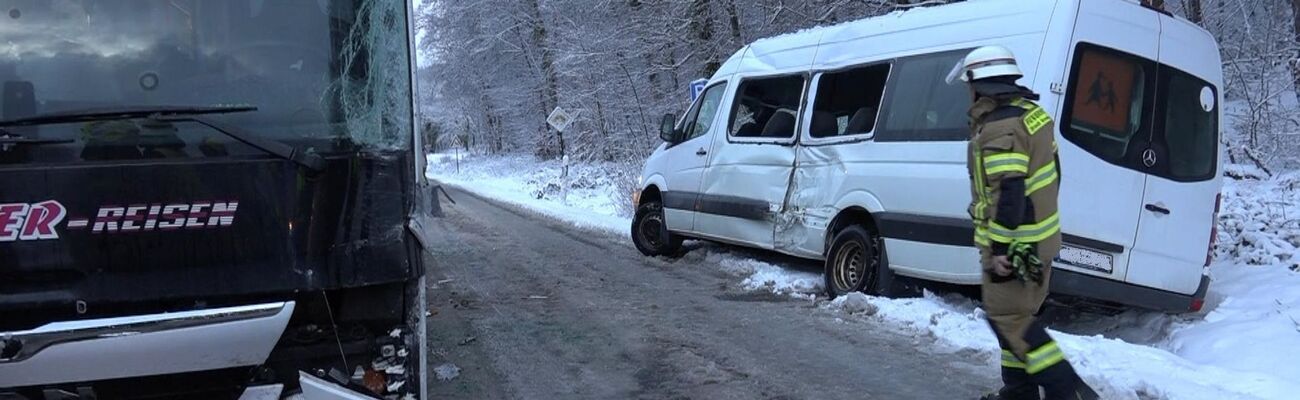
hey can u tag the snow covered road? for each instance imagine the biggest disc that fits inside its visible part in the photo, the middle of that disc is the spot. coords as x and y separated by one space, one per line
1242 347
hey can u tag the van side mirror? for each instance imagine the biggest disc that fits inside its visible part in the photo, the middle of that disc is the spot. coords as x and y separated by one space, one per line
668 128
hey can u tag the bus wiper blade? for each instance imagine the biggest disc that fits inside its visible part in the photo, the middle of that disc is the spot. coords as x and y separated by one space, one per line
9 140
308 160
179 114
116 113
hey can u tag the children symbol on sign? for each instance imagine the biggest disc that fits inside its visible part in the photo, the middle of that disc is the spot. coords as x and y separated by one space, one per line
1096 92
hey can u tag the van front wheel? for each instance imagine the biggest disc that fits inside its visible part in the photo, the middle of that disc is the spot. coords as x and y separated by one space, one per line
650 233
854 263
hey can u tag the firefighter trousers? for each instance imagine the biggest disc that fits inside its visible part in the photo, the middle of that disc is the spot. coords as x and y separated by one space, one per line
1030 358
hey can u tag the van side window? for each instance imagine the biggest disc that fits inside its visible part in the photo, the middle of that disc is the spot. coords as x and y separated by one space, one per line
848 101
767 107
701 118
1107 104
921 106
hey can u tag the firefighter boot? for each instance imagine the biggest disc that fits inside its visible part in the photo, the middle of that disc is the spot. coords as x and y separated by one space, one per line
1080 391
1047 367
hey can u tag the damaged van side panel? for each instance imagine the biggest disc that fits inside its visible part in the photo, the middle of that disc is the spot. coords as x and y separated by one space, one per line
906 179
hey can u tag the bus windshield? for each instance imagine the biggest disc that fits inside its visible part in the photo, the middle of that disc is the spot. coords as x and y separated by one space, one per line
317 71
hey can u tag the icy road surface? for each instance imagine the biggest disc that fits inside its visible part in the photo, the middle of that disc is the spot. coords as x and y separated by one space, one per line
529 307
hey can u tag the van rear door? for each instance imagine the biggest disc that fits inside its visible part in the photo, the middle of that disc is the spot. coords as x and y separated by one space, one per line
1182 163
1105 126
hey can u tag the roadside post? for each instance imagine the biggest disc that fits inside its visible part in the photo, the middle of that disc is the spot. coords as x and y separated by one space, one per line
560 120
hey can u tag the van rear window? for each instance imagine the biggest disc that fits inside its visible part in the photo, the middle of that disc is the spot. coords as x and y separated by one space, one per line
1140 115
1105 103
1187 138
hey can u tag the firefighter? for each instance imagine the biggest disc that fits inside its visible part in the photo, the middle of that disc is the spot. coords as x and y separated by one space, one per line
1014 182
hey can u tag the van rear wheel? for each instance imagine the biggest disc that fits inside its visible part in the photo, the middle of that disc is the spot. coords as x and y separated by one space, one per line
854 263
650 233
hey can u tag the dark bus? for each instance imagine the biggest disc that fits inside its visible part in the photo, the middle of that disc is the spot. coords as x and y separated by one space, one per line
204 197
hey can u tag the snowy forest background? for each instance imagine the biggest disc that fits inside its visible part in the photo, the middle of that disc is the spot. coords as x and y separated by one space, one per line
491 70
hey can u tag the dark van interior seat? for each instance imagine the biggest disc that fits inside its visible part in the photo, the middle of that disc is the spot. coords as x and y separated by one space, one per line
824 124
781 125
863 121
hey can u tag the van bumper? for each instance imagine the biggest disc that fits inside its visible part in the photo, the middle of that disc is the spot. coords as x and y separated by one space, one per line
1088 287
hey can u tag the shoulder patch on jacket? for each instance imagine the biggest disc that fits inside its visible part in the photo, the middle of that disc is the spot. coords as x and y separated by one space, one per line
1036 119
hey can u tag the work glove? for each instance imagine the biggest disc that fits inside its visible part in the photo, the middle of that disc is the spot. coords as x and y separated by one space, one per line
1025 264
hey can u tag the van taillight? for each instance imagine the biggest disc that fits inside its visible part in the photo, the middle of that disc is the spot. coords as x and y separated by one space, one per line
1214 229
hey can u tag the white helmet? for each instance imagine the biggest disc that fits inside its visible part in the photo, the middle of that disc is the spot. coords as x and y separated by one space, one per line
985 62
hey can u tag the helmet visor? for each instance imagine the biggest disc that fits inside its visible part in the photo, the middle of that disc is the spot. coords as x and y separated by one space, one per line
958 72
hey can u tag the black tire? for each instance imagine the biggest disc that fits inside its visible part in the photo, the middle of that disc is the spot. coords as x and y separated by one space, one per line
856 262
650 233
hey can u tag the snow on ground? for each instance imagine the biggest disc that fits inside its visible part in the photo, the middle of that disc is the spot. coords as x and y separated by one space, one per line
1243 346
590 201
762 276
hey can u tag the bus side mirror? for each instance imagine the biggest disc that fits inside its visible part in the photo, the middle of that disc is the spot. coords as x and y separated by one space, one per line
667 128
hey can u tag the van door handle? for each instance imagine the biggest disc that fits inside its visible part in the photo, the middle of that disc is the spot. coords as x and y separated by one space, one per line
1157 209
701 152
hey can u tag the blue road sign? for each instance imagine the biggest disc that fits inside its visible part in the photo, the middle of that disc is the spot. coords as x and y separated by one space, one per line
697 87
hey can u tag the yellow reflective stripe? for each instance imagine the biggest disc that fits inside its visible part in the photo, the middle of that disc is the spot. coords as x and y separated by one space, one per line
1006 168
1044 357
1009 360
1006 162
1031 233
981 193
1004 157
981 236
1041 178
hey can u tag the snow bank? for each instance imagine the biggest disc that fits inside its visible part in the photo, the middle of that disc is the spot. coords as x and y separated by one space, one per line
1117 369
1243 346
763 276
585 199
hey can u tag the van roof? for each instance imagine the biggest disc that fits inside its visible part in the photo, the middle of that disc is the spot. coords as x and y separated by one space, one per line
907 30
761 54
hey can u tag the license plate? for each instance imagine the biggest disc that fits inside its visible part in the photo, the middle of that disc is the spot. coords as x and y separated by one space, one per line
1086 259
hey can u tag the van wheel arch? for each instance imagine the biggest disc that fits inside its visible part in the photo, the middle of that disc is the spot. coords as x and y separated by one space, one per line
848 217
885 282
650 193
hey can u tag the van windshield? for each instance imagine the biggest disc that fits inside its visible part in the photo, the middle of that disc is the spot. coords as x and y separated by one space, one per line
1141 115
316 70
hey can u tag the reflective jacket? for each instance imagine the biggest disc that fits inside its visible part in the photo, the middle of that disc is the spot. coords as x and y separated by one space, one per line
1014 177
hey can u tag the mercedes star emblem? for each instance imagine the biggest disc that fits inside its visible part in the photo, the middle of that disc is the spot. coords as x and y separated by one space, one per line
1149 158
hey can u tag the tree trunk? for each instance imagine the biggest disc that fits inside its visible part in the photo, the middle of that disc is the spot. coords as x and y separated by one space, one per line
733 19
702 23
1295 59
550 87
1194 11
